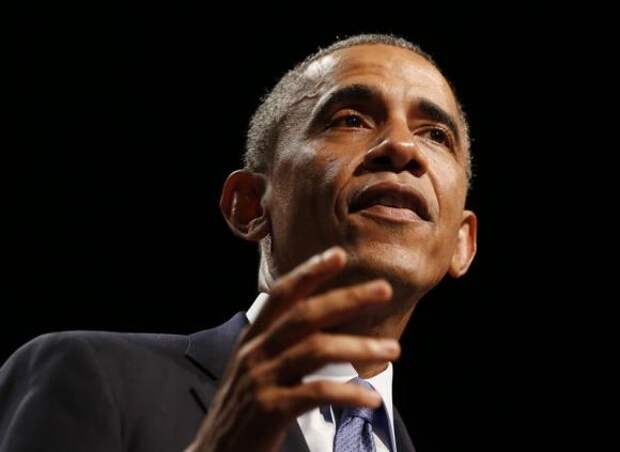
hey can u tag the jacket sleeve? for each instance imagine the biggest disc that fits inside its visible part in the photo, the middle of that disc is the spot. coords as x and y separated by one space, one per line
54 397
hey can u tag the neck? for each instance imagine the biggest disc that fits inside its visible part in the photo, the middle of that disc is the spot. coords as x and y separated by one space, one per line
370 370
390 323
389 326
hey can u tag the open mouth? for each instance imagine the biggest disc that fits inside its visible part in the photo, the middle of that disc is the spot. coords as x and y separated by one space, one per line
391 200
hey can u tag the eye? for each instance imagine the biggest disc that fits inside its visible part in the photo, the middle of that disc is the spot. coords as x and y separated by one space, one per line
348 120
437 135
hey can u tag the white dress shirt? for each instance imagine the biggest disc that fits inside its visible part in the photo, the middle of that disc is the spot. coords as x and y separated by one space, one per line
318 426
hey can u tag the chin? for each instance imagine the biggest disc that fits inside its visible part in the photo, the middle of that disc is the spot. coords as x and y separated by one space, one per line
409 270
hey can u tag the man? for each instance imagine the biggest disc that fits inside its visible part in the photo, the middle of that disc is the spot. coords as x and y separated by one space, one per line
356 176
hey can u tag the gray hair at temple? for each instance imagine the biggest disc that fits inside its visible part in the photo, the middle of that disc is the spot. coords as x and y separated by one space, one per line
268 122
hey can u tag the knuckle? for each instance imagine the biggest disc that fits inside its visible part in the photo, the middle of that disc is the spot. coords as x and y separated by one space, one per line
302 314
370 346
247 357
254 378
266 402
322 388
348 296
272 406
310 309
305 274
319 340
358 293
317 346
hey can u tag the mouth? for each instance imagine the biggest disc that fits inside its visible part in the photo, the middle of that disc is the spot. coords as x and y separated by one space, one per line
391 201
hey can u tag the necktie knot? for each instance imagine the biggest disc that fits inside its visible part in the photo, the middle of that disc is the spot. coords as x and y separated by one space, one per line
354 433
366 414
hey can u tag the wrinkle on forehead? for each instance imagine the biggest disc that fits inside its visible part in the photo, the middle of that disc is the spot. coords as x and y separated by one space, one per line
381 62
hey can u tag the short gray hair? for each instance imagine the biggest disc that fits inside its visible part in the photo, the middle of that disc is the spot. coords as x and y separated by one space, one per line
265 126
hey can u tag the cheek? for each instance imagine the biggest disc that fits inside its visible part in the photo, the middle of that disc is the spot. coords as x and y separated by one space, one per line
450 186
304 190
305 184
313 172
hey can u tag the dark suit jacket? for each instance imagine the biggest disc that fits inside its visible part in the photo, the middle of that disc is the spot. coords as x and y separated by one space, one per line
96 391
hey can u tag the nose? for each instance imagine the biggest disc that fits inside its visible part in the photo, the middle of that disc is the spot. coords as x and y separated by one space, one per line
398 150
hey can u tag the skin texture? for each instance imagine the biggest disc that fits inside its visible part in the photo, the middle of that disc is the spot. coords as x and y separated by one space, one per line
323 310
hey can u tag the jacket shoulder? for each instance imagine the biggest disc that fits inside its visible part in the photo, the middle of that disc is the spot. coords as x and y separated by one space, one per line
75 388
50 383
71 342
112 356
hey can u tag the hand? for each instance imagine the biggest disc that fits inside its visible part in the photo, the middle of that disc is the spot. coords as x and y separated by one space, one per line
262 392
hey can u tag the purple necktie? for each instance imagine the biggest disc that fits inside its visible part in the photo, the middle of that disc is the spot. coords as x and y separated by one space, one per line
354 431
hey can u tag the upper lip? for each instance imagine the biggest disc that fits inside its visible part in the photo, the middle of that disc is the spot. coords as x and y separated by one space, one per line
394 194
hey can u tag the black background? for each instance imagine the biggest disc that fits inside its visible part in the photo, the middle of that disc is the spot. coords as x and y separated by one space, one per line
137 116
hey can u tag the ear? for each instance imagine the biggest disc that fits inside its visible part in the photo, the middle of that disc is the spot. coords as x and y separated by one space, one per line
242 206
466 245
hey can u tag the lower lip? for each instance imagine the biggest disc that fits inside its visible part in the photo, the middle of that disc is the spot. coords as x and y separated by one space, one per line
391 213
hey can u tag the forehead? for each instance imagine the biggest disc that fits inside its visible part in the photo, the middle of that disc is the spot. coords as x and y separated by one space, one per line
398 73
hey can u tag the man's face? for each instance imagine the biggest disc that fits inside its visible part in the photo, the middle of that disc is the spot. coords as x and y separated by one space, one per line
373 160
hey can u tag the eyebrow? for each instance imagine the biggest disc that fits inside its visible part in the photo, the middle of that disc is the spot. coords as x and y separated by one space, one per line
351 94
359 93
435 113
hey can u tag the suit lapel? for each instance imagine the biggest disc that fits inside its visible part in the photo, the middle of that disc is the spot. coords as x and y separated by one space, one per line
403 440
210 351
294 440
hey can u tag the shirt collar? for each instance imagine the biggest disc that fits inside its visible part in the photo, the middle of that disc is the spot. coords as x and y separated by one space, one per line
341 372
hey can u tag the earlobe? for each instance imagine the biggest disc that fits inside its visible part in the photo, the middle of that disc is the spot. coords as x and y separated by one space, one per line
467 243
242 205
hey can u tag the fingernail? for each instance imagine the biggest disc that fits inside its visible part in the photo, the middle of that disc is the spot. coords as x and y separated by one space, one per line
331 253
377 398
389 346
378 288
